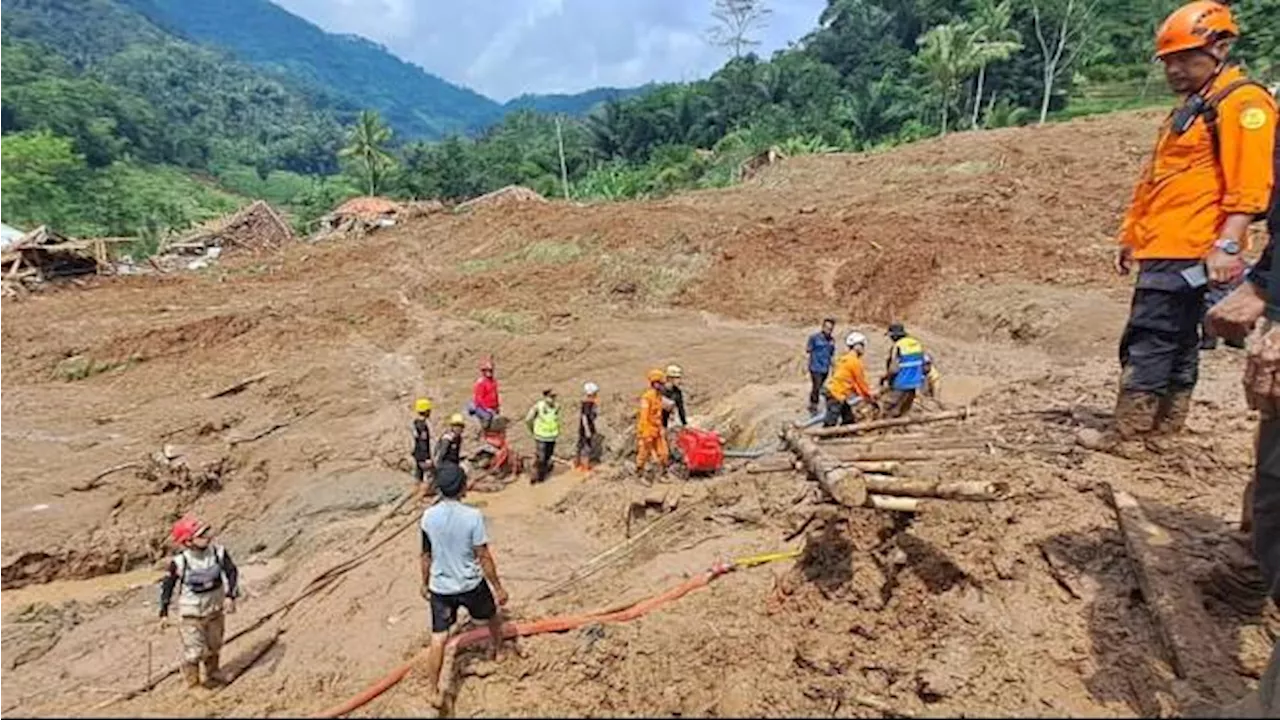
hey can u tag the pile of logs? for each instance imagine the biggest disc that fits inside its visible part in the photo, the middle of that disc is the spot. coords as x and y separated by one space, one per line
855 471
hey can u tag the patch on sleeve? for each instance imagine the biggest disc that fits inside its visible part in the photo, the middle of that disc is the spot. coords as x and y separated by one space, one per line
1253 118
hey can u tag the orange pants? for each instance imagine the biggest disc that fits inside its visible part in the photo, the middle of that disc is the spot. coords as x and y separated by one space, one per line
655 447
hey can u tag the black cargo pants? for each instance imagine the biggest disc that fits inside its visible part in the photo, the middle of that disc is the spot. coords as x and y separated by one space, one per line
1160 347
1266 547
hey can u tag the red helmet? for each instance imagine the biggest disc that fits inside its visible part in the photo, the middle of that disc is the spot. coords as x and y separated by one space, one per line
187 529
486 364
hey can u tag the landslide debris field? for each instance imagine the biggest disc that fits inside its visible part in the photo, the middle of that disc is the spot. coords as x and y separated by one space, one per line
994 248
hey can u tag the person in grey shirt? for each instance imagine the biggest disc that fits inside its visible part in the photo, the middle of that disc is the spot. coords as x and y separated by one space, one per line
457 570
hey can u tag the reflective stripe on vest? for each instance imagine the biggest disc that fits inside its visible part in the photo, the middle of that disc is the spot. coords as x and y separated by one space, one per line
910 375
546 423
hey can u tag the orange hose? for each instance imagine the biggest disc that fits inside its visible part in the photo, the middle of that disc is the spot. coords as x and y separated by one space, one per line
559 623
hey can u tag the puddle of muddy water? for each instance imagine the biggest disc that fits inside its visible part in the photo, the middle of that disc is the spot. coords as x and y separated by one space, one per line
88 590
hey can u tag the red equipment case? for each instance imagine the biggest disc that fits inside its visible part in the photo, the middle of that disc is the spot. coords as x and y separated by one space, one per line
701 450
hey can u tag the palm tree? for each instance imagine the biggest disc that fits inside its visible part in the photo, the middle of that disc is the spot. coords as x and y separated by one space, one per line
366 147
946 55
996 41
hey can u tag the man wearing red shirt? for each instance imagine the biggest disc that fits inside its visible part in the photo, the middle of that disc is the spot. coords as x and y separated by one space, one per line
484 396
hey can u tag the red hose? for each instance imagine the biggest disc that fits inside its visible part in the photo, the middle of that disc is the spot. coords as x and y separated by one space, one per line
559 623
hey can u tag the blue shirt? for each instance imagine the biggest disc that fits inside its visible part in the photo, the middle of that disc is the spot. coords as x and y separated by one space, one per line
454 531
822 349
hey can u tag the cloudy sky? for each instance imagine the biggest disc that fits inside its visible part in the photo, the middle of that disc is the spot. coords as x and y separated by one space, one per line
503 48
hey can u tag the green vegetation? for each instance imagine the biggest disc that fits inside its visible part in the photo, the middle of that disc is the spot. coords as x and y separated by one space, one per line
113 126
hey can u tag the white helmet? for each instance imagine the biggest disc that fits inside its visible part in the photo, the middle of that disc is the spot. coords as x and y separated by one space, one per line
855 338
591 388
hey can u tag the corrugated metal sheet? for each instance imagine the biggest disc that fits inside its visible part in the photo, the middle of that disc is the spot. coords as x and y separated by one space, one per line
9 234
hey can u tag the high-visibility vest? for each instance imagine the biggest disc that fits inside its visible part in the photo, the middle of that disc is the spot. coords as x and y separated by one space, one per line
910 375
546 421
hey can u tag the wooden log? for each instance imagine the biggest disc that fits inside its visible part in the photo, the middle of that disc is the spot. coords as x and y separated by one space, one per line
896 504
840 483
771 466
1188 635
897 455
884 467
888 444
978 490
858 428
238 386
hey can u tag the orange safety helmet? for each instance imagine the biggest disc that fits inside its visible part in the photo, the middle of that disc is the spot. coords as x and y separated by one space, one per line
656 376
1195 25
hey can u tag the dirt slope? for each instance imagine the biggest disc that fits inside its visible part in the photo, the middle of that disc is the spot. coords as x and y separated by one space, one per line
993 245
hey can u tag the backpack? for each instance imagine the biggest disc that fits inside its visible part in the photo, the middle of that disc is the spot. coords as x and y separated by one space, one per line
1209 111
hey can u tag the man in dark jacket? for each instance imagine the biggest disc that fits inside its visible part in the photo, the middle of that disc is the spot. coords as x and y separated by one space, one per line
671 391
821 350
588 437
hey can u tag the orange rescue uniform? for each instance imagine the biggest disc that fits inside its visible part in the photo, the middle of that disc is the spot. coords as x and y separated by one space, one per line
1187 190
848 379
650 440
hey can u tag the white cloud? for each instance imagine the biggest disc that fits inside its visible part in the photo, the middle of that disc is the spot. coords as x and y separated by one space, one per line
503 48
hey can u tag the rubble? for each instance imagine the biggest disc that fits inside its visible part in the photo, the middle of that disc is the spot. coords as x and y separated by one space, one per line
509 195
362 215
42 255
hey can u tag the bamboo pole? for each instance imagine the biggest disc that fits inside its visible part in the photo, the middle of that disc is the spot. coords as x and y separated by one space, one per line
857 428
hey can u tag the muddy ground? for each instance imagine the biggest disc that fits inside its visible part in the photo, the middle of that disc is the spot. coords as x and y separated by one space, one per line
993 246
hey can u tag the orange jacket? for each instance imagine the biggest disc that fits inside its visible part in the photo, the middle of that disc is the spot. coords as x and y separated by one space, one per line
1186 192
649 421
849 378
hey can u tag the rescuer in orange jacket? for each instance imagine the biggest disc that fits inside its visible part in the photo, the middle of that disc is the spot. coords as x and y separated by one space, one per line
650 439
1210 174
847 385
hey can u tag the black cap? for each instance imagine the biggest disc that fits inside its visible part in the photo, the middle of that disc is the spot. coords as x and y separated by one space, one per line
896 330
450 479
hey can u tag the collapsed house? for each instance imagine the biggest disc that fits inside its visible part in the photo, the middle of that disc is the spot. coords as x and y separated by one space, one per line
255 228
42 255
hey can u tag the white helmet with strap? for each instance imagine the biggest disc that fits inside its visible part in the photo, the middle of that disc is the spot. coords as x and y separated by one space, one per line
855 338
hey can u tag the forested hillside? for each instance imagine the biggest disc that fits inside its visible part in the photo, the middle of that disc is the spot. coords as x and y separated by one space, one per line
114 126
96 99
414 102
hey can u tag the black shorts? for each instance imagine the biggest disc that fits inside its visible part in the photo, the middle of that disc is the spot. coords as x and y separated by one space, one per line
444 608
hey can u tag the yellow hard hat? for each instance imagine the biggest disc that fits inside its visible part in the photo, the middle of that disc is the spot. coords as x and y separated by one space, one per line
456 419
421 405
674 371
656 376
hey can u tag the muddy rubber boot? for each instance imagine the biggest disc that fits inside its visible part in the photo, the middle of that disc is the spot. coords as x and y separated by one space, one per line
212 672
1171 420
191 674
1135 417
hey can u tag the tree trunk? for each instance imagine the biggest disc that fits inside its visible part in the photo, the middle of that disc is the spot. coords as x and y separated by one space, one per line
842 484
932 488
945 102
977 96
890 423
1048 92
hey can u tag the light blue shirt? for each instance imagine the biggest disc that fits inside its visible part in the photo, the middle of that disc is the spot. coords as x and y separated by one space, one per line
455 531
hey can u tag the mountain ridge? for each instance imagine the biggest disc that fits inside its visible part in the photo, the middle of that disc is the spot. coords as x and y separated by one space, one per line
415 102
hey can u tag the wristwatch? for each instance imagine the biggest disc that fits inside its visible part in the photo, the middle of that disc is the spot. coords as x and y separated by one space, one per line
1228 246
